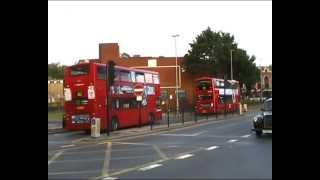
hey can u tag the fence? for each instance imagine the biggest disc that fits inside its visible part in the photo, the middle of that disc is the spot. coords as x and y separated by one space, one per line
55 95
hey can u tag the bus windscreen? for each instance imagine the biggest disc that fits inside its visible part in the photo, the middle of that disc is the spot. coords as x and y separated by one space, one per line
79 70
204 85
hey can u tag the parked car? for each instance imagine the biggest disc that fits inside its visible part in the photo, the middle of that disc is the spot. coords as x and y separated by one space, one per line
262 123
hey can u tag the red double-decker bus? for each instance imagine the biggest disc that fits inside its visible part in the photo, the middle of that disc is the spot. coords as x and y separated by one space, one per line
215 95
85 96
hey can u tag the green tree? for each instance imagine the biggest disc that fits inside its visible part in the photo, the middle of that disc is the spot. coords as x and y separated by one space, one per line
55 71
210 55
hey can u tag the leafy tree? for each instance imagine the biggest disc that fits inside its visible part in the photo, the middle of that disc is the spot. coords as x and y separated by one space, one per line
210 55
55 71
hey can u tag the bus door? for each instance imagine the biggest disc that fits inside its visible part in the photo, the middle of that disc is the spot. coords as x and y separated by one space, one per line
216 100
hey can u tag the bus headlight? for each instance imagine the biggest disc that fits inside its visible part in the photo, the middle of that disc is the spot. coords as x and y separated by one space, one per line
67 94
211 104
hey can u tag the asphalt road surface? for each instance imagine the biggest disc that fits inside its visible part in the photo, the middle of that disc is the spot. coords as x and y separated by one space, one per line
222 149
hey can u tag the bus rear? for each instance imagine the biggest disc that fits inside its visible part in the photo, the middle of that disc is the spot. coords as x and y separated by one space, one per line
79 96
206 96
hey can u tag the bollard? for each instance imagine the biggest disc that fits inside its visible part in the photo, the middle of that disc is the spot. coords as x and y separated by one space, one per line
195 116
168 117
182 116
245 108
240 109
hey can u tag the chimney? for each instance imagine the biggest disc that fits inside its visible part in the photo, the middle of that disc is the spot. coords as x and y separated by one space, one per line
108 51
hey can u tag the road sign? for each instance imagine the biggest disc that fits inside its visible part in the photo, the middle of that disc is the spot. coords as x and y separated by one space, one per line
139 98
138 90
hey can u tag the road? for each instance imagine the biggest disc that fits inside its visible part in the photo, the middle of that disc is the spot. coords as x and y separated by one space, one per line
221 149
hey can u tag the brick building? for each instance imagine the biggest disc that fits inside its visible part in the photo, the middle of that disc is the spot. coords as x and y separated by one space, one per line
164 65
266 77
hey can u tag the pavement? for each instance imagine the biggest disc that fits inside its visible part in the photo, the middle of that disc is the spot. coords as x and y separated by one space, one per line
222 148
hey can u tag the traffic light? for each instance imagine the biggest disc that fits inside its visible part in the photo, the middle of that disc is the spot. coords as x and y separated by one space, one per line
111 72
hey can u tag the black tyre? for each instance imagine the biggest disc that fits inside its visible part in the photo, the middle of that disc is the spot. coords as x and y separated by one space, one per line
258 133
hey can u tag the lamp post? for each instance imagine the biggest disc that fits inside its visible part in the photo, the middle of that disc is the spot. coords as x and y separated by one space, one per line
231 64
175 46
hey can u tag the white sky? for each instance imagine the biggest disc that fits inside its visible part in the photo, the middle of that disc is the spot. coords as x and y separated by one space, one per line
75 28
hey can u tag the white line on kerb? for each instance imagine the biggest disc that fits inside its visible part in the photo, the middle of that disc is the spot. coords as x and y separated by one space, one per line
110 178
232 140
184 156
245 136
71 145
103 143
150 167
211 148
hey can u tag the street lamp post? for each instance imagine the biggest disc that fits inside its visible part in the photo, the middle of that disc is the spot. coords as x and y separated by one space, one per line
175 46
231 64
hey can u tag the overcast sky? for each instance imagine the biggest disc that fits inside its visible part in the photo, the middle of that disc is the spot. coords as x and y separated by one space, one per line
76 28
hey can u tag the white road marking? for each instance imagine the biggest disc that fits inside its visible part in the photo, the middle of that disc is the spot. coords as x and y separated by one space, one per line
245 136
106 163
71 172
110 178
191 135
233 140
150 167
161 154
172 146
185 156
71 145
103 143
54 157
138 144
212 148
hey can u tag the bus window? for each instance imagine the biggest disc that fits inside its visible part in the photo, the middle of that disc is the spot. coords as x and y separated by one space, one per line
134 103
219 83
128 103
156 79
205 97
225 99
148 78
133 76
101 71
204 85
115 104
117 75
80 70
140 77
125 76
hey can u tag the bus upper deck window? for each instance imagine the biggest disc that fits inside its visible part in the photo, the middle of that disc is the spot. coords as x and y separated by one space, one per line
125 76
140 77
